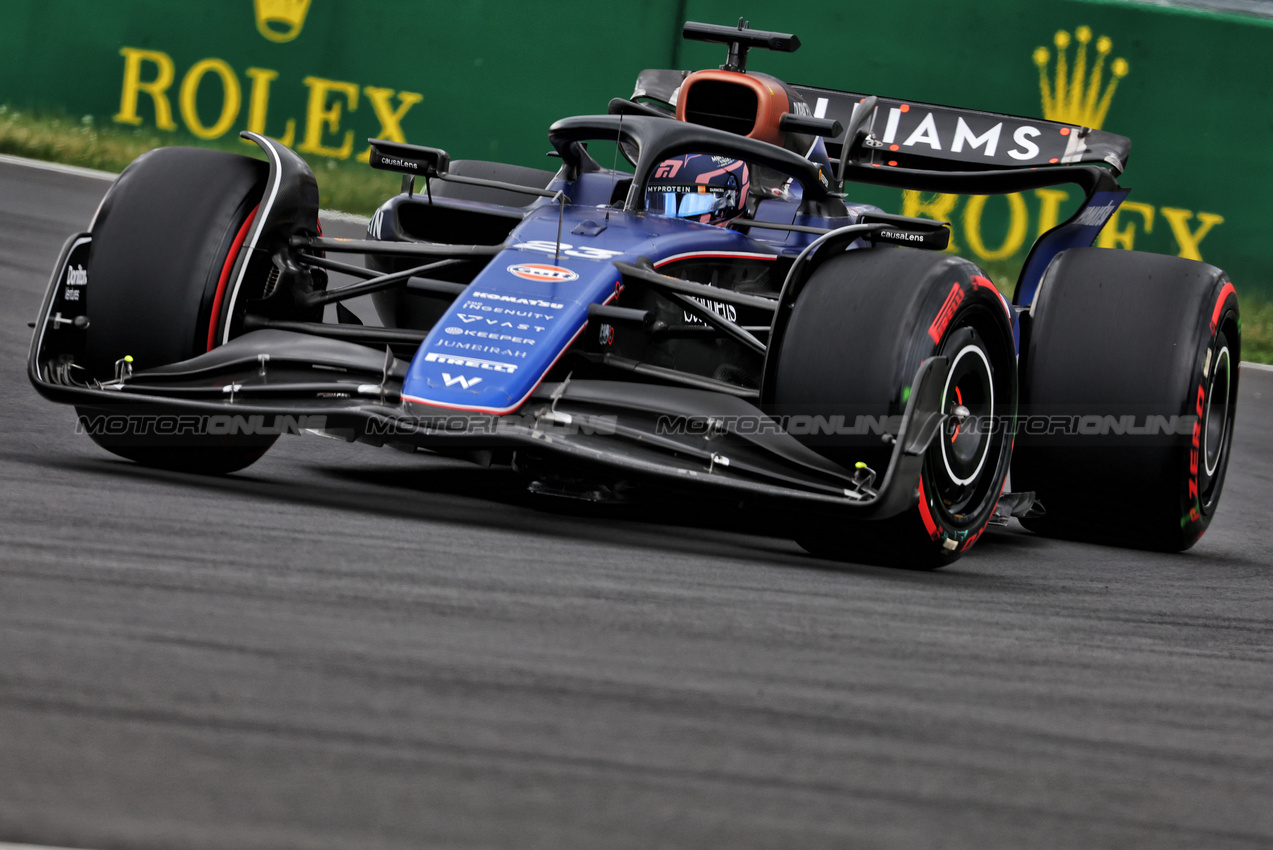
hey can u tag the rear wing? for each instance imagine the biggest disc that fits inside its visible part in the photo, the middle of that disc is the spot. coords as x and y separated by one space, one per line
902 133
910 135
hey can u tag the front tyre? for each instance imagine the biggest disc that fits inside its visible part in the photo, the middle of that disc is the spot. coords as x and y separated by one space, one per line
165 241
856 337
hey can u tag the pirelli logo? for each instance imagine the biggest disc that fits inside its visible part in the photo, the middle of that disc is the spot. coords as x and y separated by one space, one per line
471 362
938 328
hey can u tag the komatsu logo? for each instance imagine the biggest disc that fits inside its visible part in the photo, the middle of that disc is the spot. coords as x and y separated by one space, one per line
512 299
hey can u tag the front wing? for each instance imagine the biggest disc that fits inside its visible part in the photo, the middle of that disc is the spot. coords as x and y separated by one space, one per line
276 381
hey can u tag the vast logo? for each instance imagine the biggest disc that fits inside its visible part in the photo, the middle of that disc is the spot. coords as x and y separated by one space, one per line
281 20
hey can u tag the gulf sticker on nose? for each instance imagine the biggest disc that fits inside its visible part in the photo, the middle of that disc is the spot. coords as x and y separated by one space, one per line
542 272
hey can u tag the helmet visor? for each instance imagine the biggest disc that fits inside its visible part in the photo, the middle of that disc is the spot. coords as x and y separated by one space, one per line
688 201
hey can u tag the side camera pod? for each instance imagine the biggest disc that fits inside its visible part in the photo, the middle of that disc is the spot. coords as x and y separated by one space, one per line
411 161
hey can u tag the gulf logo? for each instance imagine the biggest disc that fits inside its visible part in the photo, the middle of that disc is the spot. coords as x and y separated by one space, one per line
543 272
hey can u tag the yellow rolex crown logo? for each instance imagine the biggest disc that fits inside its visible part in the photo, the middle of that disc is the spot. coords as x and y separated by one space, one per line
281 20
1075 97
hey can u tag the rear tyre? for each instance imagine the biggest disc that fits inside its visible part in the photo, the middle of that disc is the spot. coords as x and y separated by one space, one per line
1129 380
164 243
857 334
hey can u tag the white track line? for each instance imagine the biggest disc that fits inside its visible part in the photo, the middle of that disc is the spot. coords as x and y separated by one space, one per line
6 846
1263 367
95 174
344 217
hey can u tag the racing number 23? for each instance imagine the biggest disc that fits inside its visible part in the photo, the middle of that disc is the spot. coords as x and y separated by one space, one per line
583 253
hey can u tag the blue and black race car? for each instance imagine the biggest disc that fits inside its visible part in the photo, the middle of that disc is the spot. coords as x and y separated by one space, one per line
691 301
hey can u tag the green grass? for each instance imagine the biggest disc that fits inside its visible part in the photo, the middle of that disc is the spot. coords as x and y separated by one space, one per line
356 188
1257 330
1255 312
351 187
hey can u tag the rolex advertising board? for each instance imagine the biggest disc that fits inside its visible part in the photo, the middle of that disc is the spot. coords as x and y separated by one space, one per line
481 78
484 78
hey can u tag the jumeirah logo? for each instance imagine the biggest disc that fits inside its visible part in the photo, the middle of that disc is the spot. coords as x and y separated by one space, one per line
1075 96
281 20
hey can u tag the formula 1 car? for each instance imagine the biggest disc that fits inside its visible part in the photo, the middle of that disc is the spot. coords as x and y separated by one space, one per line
688 302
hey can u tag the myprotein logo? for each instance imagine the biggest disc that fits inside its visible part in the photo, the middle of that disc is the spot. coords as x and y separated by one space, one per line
542 272
281 20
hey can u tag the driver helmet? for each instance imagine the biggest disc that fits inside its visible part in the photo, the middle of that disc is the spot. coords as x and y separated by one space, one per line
700 187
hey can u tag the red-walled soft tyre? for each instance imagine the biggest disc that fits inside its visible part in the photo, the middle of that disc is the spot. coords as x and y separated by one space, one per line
1129 390
857 334
164 241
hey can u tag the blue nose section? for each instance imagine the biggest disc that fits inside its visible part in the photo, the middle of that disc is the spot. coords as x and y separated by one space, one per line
494 345
497 341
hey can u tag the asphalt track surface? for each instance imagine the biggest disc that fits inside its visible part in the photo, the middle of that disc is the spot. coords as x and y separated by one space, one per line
350 647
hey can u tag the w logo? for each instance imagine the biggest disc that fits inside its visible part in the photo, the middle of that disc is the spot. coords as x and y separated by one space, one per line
464 382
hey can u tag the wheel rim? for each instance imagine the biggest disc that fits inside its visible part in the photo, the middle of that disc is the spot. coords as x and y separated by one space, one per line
1215 423
968 399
